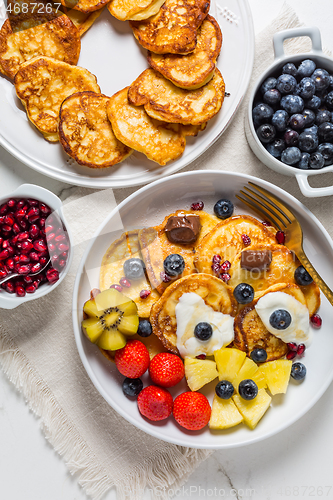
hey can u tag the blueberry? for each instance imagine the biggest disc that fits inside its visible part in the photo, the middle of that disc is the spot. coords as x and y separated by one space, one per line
280 120
309 117
280 319
134 268
303 164
259 355
297 121
224 389
286 84
248 389
307 88
316 161
144 329
223 209
174 264
291 155
313 103
298 371
326 150
329 100
306 68
313 129
323 115
325 132
132 386
308 142
302 277
276 147
272 97
268 84
289 69
244 293
321 79
266 133
292 103
291 137
331 82
262 113
203 331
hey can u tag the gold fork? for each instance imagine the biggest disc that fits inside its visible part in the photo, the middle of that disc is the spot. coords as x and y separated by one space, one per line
269 207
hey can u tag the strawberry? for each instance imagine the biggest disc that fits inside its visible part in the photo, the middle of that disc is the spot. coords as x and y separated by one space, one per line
166 369
132 360
192 410
155 403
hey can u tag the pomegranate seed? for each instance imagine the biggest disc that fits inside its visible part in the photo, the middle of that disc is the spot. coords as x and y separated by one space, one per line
45 210
10 250
16 228
11 203
52 275
64 255
165 277
33 203
39 245
117 287
226 265
6 229
197 206
1 241
217 259
20 291
34 256
10 264
49 236
54 258
144 294
43 261
23 236
27 279
3 209
48 229
24 269
201 356
14 239
36 283
26 246
24 259
60 237
225 277
59 231
23 224
291 355
41 222
300 350
124 282
292 346
19 214
246 240
280 237
4 254
9 219
51 247
3 273
63 247
9 287
216 268
30 288
316 321
20 204
16 258
61 264
36 267
34 231
266 223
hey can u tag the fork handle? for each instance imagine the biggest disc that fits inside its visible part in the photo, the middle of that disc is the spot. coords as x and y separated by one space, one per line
316 278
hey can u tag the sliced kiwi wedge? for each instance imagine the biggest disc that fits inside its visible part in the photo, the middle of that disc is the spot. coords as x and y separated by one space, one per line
111 316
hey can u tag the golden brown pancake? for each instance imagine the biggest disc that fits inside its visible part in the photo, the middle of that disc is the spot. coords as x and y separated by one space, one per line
84 21
133 9
84 5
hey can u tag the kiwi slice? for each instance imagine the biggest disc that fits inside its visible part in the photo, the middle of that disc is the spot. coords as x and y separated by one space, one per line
111 316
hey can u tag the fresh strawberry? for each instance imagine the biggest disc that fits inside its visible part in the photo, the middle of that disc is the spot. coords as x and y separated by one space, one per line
192 410
155 403
166 369
132 360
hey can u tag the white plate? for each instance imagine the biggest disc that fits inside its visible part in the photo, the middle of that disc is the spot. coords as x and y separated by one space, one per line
110 52
148 206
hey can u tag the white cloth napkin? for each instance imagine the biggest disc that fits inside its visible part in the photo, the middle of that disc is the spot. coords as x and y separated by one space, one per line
39 355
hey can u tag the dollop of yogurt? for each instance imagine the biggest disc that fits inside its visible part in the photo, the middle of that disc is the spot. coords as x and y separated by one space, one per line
191 310
299 329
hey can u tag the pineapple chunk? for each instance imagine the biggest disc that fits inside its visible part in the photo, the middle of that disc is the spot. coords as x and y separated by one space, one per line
254 409
277 375
250 370
199 372
229 362
224 414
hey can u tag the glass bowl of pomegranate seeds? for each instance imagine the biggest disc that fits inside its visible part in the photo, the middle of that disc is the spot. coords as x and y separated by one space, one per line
35 245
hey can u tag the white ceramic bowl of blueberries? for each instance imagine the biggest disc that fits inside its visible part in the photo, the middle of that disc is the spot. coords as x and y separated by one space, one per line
289 123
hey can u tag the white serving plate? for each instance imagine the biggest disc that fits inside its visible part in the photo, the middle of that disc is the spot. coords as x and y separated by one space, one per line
148 206
109 51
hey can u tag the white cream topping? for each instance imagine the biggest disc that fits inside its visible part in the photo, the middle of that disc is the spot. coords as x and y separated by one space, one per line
191 310
299 329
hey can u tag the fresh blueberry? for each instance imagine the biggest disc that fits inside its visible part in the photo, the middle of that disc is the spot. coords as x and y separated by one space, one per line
174 264
298 371
248 389
244 293
132 386
303 164
223 209
313 103
321 79
203 331
308 142
326 150
286 84
280 120
266 133
316 161
134 268
291 155
323 115
309 117
325 132
289 69
329 100
302 277
280 319
307 88
272 97
312 130
224 389
259 355
262 113
268 84
291 137
331 82
276 147
297 121
306 68
144 329
292 104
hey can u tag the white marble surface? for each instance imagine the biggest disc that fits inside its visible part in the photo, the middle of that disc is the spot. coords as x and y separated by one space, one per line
295 463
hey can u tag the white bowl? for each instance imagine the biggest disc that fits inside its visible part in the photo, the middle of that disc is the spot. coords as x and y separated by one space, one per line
322 61
10 301
148 206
